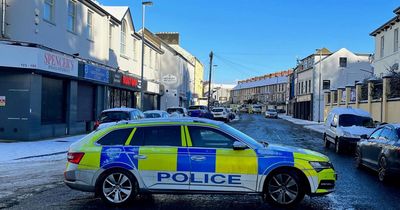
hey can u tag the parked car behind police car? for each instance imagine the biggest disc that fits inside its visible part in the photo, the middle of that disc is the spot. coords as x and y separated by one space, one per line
381 151
344 126
118 114
192 155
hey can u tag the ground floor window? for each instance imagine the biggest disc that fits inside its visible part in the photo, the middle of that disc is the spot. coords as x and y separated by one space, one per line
54 95
85 102
120 98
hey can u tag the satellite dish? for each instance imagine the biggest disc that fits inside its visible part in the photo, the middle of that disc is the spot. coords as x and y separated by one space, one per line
395 67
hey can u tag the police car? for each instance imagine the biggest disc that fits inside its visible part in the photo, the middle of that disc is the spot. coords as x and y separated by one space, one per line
192 155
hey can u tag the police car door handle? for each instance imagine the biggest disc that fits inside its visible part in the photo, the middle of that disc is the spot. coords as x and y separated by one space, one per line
198 158
140 156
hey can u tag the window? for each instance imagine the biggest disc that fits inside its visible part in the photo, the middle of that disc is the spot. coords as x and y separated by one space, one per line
343 62
375 135
382 52
157 136
90 25
110 31
396 40
48 13
208 137
326 85
309 86
71 16
385 134
134 49
53 100
123 37
116 137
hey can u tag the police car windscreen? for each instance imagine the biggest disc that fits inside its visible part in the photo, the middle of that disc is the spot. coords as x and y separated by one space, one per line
113 116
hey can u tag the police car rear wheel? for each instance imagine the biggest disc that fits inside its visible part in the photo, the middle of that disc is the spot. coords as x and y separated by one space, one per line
284 189
118 187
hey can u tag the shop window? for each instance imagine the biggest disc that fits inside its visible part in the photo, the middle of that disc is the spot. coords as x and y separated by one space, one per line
53 100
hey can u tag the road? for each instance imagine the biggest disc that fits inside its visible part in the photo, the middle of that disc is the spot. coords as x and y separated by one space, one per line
355 189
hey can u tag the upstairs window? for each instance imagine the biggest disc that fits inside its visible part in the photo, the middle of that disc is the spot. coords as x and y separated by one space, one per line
71 16
326 85
396 40
123 37
48 13
382 52
110 31
343 62
90 25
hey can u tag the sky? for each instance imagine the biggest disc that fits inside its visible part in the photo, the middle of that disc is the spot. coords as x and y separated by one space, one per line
253 38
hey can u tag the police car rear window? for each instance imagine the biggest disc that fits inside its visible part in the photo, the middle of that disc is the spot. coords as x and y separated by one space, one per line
116 137
157 136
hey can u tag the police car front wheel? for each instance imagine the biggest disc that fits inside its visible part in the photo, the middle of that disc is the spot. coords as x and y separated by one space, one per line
117 187
284 188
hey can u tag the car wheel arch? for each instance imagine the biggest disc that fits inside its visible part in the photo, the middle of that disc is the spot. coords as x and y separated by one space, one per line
106 171
303 177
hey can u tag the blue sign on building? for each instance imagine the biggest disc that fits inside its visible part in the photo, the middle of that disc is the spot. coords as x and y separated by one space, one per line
96 73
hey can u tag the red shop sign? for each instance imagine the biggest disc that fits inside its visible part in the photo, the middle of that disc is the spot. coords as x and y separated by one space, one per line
129 81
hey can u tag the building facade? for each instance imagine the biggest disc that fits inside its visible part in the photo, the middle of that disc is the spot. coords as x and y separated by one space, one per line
198 81
270 89
387 54
79 58
323 71
189 68
220 93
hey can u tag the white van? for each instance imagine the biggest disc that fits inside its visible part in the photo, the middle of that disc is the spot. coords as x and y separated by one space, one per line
344 126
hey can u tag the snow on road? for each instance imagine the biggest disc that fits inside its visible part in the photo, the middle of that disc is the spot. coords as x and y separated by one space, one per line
27 166
19 150
311 125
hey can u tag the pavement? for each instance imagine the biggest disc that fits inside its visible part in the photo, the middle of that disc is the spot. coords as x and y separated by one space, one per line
311 125
35 149
37 183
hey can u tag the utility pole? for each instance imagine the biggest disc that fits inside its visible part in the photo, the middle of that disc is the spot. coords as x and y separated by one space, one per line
209 80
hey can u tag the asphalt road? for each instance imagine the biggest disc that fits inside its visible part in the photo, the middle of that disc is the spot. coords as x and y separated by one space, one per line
355 189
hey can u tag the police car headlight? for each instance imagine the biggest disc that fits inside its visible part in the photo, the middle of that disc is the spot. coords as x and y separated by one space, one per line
319 166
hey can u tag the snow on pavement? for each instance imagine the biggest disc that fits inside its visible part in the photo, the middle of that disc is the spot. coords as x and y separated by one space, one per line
18 150
311 125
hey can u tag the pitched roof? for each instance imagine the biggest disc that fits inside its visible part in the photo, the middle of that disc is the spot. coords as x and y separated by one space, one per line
116 11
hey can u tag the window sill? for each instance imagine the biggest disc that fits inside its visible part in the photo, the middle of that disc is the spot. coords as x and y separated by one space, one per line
394 99
72 32
124 56
49 22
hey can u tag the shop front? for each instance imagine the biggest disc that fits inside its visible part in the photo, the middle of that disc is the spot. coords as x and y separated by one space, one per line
39 89
151 98
303 107
124 91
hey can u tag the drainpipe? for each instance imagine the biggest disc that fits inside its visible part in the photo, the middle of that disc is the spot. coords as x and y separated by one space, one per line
3 18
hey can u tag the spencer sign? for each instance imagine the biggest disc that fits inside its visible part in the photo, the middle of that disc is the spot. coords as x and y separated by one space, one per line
129 81
58 63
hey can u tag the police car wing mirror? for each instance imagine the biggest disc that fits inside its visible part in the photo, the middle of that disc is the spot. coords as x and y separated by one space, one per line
237 145
364 136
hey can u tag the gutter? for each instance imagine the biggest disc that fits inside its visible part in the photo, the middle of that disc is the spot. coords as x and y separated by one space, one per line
3 18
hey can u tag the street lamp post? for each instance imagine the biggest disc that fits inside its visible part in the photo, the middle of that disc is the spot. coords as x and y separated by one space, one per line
144 4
